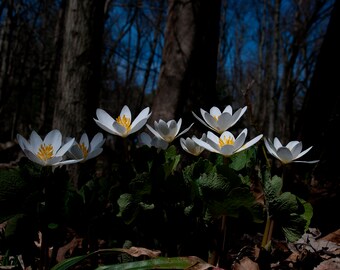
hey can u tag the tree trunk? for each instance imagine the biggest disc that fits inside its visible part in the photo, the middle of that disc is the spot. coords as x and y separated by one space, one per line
78 82
320 120
187 77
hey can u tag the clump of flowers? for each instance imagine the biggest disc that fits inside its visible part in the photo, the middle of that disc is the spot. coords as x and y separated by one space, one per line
218 188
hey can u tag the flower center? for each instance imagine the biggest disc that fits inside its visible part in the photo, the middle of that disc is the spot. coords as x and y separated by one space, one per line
84 149
45 152
124 121
226 141
216 117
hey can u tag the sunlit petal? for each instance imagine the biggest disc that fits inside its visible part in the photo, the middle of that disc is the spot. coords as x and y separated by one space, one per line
125 112
277 144
285 155
304 152
295 147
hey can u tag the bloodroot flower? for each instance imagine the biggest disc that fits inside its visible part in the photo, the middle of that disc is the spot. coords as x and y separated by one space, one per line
220 121
191 147
226 144
167 131
122 126
157 142
47 152
84 150
289 153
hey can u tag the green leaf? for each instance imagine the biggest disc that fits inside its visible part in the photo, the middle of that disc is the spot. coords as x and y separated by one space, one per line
272 188
141 185
196 169
291 214
243 159
308 213
128 208
160 263
171 160
225 197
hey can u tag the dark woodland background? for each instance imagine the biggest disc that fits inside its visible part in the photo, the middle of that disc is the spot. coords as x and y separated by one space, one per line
60 60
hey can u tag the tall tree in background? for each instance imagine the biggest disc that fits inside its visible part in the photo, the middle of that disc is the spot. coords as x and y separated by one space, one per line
321 112
189 62
79 75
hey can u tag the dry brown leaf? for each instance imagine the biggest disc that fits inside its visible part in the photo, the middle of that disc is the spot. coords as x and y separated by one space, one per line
245 264
333 237
69 247
331 264
138 251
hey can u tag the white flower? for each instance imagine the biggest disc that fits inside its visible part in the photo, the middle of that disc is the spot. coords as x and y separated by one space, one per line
226 144
289 153
145 139
190 146
122 126
85 150
220 121
167 131
47 152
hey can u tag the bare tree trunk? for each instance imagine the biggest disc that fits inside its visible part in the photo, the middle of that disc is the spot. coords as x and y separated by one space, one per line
320 120
78 83
187 77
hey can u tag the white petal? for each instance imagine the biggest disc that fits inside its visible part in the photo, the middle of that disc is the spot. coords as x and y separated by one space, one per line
214 111
85 140
145 139
97 141
154 132
75 152
241 138
292 144
24 144
104 118
309 162
227 150
108 129
186 130
295 147
228 109
212 137
201 120
285 154
144 114
64 148
224 121
33 157
94 153
250 143
137 126
277 144
163 128
304 152
270 147
237 115
53 138
211 121
125 112
205 145
35 141
119 129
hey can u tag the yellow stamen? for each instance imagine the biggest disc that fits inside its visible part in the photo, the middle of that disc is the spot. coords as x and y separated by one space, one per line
226 141
45 152
216 117
84 149
124 121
